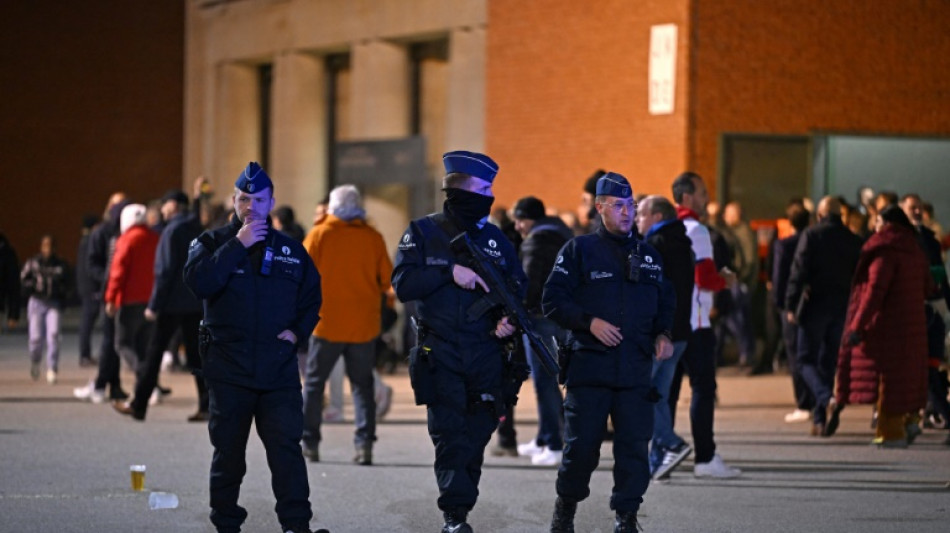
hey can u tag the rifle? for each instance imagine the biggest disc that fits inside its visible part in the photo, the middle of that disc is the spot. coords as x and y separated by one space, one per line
499 296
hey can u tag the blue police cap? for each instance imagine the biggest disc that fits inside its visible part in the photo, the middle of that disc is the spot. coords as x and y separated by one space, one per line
471 163
613 184
253 179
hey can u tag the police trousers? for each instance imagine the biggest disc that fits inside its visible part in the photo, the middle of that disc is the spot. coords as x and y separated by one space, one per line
278 417
585 416
460 425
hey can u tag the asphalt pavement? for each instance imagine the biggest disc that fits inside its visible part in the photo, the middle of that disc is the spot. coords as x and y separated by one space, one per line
64 467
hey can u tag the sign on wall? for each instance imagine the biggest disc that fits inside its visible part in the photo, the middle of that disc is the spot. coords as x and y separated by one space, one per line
662 68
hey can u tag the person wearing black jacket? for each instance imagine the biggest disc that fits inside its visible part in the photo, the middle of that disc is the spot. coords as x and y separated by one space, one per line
657 221
821 273
543 238
9 282
46 282
608 290
88 301
459 352
937 300
101 247
783 254
261 292
172 307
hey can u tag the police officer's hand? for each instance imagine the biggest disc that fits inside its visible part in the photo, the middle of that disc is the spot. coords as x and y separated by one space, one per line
288 336
503 328
467 278
605 332
664 348
252 231
110 309
150 315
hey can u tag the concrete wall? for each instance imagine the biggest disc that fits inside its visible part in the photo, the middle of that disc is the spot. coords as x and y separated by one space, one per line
228 41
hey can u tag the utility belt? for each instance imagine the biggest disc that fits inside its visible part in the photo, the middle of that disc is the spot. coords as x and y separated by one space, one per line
422 377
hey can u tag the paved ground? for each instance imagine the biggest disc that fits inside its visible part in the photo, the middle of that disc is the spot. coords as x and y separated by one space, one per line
64 467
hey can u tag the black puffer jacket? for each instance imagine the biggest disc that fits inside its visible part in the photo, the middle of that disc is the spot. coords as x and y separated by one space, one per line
670 239
538 252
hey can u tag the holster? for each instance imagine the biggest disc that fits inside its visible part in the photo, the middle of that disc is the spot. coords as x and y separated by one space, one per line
204 340
564 352
422 373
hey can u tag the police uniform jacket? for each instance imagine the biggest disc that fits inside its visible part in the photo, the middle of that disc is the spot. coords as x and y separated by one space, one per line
246 310
423 272
589 280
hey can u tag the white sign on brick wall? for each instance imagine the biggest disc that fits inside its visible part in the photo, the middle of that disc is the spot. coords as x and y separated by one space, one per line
662 68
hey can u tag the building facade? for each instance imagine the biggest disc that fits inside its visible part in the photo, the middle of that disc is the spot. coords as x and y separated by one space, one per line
746 93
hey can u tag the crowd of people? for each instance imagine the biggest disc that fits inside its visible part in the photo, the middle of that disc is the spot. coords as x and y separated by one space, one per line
632 292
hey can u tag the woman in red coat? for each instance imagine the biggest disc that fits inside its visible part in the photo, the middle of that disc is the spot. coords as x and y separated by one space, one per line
883 355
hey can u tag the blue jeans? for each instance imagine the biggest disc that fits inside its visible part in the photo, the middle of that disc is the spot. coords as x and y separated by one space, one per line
550 402
360 359
664 438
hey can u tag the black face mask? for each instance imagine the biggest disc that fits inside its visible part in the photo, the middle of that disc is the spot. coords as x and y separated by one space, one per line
467 207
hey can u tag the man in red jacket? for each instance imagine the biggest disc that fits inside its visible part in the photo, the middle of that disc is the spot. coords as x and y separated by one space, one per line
131 276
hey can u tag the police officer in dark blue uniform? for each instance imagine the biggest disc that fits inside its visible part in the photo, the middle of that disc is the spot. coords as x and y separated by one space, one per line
459 350
261 292
607 289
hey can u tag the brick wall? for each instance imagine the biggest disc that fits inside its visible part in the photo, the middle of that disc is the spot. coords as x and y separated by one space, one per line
803 66
566 87
567 83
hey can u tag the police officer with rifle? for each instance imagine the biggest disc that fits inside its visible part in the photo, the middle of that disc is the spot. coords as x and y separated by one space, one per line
465 317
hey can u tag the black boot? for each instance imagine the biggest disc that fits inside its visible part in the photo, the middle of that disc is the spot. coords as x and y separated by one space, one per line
455 521
563 520
364 455
627 523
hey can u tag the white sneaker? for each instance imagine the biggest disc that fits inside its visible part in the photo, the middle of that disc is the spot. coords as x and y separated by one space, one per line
715 468
167 359
530 449
798 415
332 414
547 457
51 377
90 393
384 400
155 398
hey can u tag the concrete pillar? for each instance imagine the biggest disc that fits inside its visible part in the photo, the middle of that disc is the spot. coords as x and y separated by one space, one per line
237 125
379 90
379 106
466 99
298 133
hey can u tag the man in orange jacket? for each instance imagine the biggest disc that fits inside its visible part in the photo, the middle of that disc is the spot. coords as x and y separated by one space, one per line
355 270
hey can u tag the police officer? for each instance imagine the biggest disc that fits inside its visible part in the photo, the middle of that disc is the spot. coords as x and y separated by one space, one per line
607 288
462 348
261 293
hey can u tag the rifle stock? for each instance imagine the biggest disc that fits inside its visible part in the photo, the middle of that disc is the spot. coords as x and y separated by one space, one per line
500 294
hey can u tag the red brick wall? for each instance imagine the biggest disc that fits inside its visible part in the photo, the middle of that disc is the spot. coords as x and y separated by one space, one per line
803 66
92 103
567 93
567 83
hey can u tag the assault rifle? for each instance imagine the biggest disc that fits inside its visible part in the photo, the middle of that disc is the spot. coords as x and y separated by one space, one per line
501 296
